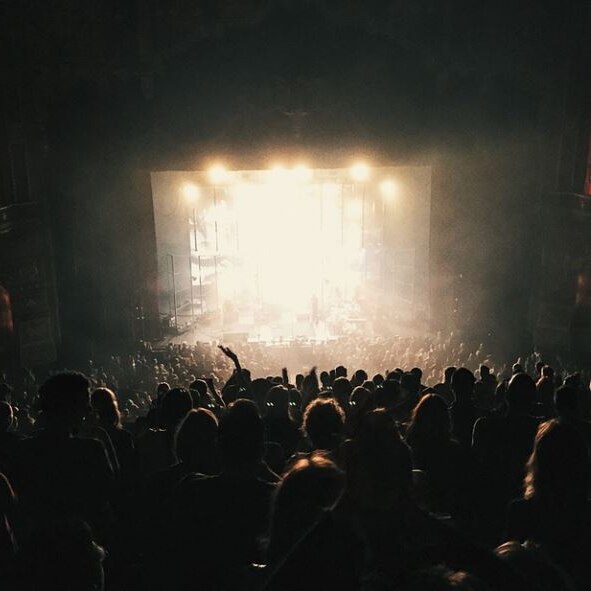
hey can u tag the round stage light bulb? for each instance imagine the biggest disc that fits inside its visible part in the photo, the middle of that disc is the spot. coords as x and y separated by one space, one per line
388 188
191 192
218 174
360 172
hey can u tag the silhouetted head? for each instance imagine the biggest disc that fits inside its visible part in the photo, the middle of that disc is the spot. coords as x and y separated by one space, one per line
324 422
310 385
278 402
241 436
395 375
232 393
175 404
311 487
341 371
462 383
341 390
430 421
162 389
6 416
558 469
417 373
260 387
299 381
325 380
521 393
104 404
484 372
295 399
387 395
369 385
539 366
361 400
409 384
378 379
65 399
448 373
379 470
359 377
196 436
199 387
548 372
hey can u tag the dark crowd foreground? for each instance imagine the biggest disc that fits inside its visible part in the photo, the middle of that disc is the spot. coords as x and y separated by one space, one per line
201 467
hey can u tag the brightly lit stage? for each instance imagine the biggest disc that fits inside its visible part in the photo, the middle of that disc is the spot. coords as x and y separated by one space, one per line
292 253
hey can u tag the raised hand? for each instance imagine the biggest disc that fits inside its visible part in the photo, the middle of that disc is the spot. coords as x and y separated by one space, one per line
229 353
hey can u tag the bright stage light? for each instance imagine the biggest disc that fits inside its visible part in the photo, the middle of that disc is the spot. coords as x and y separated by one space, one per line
360 172
190 192
218 174
388 188
278 173
302 173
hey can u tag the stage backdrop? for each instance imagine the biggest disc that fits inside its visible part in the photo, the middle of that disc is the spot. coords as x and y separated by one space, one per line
290 246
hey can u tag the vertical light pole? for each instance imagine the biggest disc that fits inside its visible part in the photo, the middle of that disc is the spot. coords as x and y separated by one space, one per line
360 174
388 190
191 193
176 322
217 176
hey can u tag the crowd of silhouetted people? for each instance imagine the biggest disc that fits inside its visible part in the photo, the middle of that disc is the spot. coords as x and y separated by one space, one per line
399 464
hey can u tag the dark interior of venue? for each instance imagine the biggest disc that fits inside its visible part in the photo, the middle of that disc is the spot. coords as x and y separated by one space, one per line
295 294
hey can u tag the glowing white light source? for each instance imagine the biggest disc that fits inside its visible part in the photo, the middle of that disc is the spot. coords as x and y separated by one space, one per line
278 172
218 174
388 188
360 172
302 173
190 192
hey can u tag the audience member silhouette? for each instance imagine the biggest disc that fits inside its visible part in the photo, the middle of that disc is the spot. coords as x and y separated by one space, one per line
324 424
106 409
442 459
484 390
232 507
56 473
502 445
444 388
554 511
545 389
279 427
310 546
155 447
463 411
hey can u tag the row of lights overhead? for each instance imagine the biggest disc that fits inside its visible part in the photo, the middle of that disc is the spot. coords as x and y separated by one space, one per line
359 172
